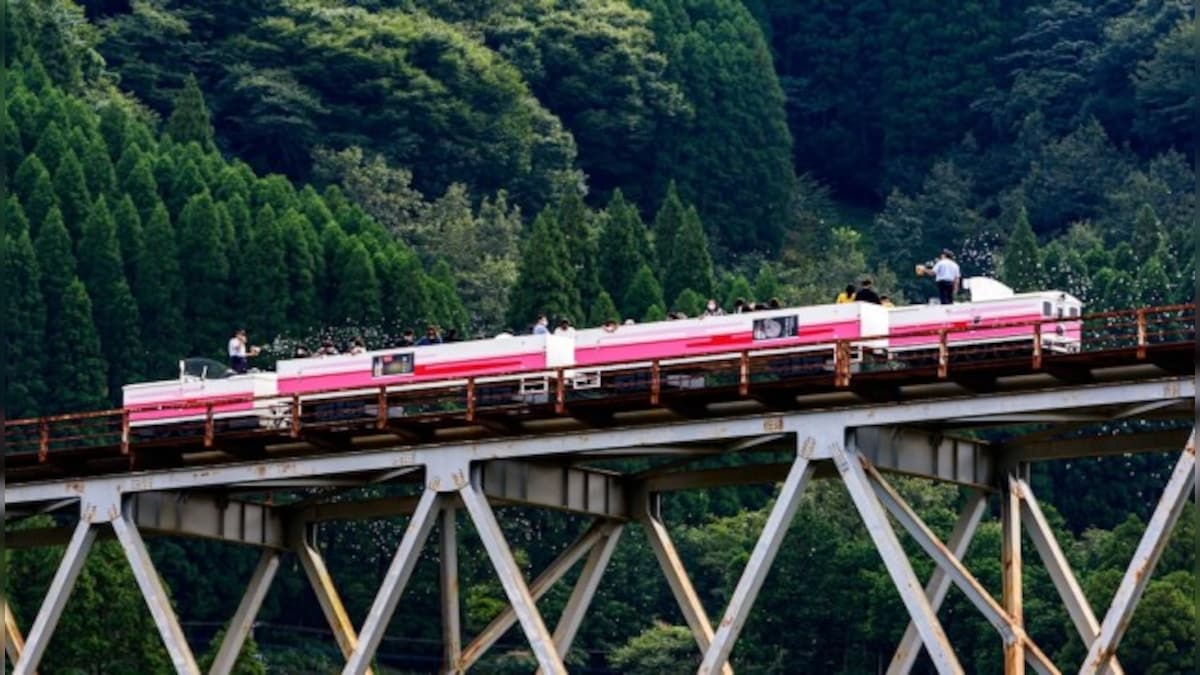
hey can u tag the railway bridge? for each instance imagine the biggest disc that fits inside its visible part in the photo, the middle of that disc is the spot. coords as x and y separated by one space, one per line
974 418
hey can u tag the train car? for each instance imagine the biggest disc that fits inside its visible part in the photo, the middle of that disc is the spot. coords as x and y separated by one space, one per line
799 327
987 321
237 401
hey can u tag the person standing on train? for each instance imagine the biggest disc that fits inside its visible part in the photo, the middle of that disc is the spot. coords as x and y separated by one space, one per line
866 293
539 326
713 309
239 353
947 276
565 329
847 295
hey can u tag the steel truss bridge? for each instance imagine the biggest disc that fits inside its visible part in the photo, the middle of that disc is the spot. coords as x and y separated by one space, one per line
460 449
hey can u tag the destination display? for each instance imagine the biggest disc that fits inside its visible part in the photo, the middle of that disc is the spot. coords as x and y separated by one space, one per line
386 365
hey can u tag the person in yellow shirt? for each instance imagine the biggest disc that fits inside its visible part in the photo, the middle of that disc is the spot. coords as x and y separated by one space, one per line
846 295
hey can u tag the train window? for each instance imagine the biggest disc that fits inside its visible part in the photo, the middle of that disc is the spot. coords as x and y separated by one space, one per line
1047 309
1074 312
386 365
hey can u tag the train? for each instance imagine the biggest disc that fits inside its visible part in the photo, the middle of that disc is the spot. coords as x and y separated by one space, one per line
521 368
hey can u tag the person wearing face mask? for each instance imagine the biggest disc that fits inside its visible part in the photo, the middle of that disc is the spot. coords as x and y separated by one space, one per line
540 326
713 309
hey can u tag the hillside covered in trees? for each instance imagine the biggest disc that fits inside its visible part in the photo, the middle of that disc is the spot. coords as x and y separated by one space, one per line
307 168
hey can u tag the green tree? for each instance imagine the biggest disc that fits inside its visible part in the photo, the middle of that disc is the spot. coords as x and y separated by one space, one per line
189 120
356 300
78 371
667 222
301 269
33 185
25 326
116 313
644 292
766 283
73 198
186 182
623 246
689 302
140 185
263 294
130 236
55 261
159 291
52 144
735 286
248 662
688 264
1021 267
543 281
659 650
205 272
98 171
718 57
603 309
1147 236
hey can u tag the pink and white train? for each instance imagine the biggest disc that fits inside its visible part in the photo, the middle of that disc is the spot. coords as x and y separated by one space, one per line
524 365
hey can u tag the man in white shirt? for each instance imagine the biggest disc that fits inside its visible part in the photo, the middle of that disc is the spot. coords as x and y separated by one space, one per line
237 351
946 274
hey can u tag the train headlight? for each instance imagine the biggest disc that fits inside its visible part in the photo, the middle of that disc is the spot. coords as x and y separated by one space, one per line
1060 329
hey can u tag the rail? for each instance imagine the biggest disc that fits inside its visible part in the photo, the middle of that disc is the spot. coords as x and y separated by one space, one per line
746 373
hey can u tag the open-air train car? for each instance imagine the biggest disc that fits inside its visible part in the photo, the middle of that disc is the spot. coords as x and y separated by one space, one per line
519 369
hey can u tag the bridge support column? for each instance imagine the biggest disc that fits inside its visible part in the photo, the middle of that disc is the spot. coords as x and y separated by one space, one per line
155 595
56 598
393 585
448 578
506 568
1011 569
939 582
1145 558
850 465
243 618
14 643
585 589
757 567
677 579
544 581
327 596
1010 631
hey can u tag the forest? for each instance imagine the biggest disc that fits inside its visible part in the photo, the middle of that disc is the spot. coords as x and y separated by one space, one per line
307 169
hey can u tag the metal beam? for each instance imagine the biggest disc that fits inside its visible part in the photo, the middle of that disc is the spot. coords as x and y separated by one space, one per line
544 581
1011 572
927 454
1010 631
209 517
327 597
850 465
510 575
677 578
458 454
155 596
585 590
243 619
1039 531
939 582
14 643
579 490
1145 557
448 578
56 597
757 567
393 584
